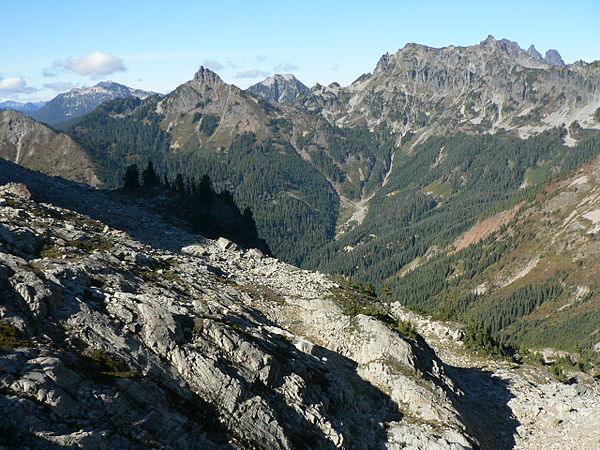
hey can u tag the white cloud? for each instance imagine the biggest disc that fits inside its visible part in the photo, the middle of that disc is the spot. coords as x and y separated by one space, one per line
254 73
212 64
285 67
15 85
95 64
335 67
259 59
60 86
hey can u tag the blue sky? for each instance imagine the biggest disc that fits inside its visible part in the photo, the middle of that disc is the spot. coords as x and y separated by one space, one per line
52 46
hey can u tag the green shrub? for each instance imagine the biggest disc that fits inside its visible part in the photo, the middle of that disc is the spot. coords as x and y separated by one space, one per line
110 365
406 328
10 337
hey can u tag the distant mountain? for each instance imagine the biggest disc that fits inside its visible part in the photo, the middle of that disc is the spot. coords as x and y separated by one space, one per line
553 58
279 88
80 101
35 146
488 87
27 108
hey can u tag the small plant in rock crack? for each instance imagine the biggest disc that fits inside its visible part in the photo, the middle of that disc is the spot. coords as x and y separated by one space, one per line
110 365
10 337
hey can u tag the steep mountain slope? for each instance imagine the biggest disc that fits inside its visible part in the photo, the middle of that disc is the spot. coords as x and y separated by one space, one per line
109 339
26 108
35 146
529 274
80 101
279 88
440 190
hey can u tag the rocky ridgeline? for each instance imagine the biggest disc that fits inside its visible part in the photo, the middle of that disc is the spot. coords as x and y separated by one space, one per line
492 86
138 334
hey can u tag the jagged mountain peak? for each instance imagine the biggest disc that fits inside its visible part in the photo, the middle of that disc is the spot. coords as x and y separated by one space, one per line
206 76
280 88
553 58
532 51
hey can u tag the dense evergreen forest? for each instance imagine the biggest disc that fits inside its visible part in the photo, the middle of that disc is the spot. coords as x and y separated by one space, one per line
442 188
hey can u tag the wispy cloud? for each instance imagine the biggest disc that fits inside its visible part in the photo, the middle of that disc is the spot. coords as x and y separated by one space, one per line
285 67
335 67
212 64
95 64
15 85
50 72
254 73
260 59
60 86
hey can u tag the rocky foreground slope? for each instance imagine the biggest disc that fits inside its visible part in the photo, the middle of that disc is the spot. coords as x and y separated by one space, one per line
119 330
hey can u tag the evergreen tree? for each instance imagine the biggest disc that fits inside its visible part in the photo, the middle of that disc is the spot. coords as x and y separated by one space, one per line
149 176
178 184
205 192
131 179
249 220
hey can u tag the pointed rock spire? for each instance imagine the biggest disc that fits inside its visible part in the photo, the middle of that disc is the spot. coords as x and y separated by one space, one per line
553 58
532 51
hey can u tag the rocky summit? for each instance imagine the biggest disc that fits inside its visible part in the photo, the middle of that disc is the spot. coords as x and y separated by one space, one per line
279 88
120 330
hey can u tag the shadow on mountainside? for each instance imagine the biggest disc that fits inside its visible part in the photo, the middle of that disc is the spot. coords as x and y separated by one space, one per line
112 209
483 404
484 407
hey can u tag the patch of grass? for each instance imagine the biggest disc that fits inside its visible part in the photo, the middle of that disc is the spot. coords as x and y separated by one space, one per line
86 246
262 293
353 304
537 175
10 337
110 365
439 189
159 275
94 244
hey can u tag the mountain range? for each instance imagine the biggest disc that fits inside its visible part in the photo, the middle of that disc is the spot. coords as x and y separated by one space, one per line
378 180
27 108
